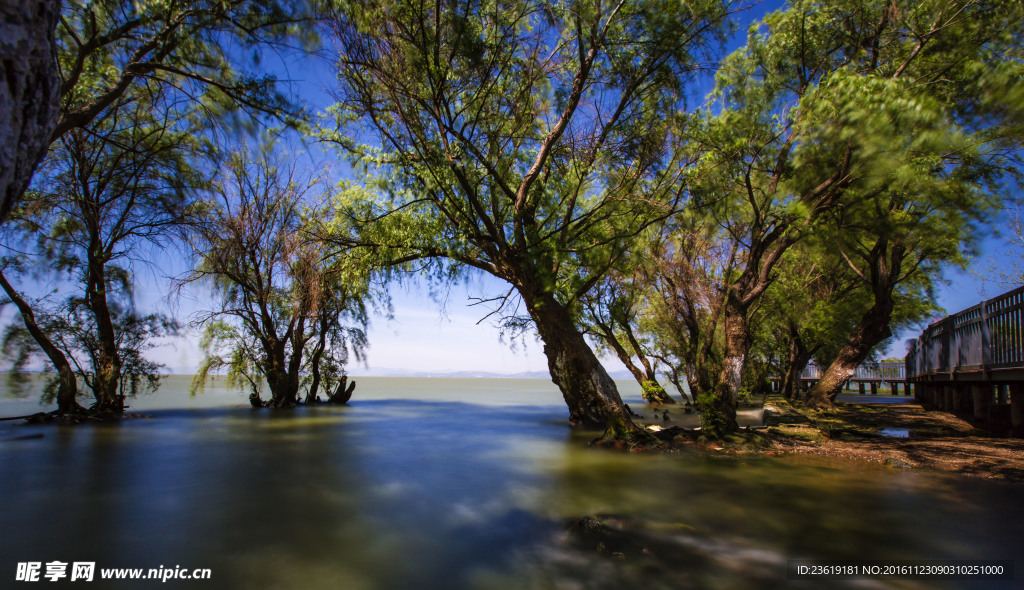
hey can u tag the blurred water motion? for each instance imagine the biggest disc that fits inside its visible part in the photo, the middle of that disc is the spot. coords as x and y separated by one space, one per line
460 491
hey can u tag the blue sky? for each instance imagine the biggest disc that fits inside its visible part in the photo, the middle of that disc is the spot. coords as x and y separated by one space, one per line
421 336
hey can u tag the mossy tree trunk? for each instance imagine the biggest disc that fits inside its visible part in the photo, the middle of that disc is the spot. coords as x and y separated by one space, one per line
719 412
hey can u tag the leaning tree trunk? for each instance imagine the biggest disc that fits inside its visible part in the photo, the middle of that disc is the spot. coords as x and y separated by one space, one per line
653 392
67 384
29 91
872 329
719 412
587 388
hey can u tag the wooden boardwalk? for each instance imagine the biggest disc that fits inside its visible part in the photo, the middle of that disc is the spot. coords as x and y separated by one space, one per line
869 376
973 362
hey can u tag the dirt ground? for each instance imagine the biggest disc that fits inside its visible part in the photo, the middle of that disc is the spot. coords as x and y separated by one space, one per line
933 440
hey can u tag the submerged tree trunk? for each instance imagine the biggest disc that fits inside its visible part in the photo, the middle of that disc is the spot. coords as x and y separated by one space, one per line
872 329
588 390
342 394
108 362
67 386
29 90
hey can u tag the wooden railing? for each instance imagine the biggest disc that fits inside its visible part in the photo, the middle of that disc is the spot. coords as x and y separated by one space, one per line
977 341
881 371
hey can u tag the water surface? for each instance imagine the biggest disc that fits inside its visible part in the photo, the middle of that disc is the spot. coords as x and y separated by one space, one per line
438 483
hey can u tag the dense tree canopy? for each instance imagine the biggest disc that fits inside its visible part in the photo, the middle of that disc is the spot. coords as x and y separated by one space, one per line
528 140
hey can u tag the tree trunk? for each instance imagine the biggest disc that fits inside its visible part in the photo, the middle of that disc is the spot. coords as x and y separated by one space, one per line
314 367
342 394
67 386
872 329
719 412
108 369
295 365
275 372
799 356
586 387
653 392
29 92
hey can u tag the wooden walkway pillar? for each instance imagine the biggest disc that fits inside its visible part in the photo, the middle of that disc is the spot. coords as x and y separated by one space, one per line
1003 397
874 388
947 398
1017 408
981 400
962 395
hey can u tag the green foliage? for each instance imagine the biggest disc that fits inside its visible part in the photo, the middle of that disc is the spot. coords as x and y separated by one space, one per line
864 127
73 329
107 195
652 391
197 50
287 313
491 153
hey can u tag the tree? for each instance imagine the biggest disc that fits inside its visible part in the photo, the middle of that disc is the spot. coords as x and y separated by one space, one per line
612 311
830 104
111 189
115 53
945 143
283 307
29 87
65 64
685 313
527 140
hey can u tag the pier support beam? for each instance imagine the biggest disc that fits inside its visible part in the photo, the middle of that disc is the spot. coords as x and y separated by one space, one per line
981 398
947 398
962 399
1017 409
860 387
1003 397
874 388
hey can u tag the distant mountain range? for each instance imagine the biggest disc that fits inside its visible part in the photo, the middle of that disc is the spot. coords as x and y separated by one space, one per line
391 372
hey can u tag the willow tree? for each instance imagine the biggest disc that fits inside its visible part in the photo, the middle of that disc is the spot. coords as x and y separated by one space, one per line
524 139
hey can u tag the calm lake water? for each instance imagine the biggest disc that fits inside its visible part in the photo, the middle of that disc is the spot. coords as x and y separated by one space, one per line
451 484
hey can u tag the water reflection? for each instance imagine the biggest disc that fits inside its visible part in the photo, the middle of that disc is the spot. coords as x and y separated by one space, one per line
416 494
